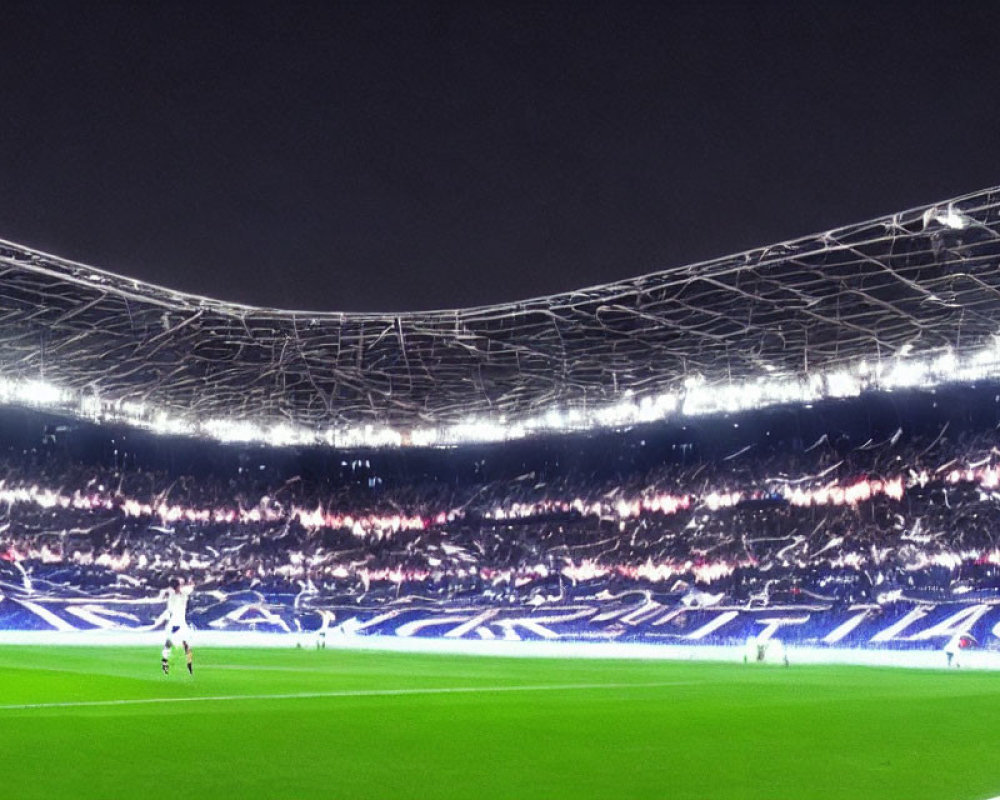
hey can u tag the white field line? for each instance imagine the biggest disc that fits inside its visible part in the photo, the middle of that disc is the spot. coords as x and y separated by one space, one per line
345 693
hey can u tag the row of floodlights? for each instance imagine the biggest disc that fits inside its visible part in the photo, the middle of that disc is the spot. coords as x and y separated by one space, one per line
698 397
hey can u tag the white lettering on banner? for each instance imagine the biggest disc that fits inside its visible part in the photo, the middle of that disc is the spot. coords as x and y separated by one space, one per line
607 616
410 628
626 615
841 631
644 612
537 624
897 628
377 620
54 620
912 624
510 633
954 625
669 616
772 625
475 622
98 616
714 625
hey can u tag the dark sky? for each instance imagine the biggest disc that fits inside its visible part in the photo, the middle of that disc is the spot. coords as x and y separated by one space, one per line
402 156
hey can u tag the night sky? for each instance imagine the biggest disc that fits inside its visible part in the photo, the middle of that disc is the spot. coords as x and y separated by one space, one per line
404 156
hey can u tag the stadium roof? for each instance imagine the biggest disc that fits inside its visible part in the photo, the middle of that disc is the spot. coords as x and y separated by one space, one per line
911 298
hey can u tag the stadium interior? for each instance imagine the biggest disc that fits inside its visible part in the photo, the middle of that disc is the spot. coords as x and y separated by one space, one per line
856 510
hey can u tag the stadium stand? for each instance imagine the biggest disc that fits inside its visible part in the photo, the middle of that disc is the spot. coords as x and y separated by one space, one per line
884 511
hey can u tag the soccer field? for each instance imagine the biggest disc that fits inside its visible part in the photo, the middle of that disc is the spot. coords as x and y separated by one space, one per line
105 723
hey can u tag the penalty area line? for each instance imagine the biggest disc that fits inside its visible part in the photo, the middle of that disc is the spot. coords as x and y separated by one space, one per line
227 698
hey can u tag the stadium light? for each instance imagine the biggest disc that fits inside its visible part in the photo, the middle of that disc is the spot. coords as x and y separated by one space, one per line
700 398
950 217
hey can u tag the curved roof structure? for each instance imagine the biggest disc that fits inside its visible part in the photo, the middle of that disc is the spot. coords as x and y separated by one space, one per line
850 302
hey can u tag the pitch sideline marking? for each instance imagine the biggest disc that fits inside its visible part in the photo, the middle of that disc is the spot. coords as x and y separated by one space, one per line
344 693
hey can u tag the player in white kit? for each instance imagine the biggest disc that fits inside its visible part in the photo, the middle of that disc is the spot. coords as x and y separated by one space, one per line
176 619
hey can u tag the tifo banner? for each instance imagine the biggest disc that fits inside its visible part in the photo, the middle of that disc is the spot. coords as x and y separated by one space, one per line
632 616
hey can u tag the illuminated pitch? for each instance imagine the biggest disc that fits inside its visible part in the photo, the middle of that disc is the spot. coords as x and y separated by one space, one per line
912 299
104 723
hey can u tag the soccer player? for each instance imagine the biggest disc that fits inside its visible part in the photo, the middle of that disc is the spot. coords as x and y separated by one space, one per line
177 628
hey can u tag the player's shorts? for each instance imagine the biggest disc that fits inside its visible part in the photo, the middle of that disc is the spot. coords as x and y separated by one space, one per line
177 634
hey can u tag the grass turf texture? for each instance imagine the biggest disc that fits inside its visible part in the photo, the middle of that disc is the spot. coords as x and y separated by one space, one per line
612 729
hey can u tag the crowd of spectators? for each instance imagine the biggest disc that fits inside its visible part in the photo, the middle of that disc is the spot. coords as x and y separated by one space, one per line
829 522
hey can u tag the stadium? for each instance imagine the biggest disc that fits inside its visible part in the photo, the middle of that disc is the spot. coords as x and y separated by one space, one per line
724 500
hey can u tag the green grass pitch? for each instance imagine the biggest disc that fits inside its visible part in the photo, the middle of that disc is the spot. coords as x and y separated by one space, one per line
105 723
